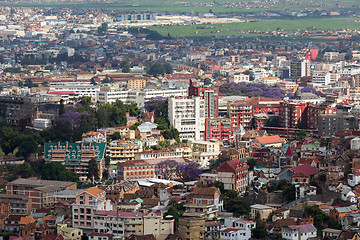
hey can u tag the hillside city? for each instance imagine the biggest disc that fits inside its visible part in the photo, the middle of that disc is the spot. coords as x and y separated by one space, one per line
111 131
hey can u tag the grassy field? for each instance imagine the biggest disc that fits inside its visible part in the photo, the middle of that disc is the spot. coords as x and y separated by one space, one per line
264 25
174 6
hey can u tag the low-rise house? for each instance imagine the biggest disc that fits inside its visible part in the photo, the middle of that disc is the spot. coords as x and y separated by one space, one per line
340 212
243 227
335 173
261 212
348 195
69 233
234 234
354 179
305 169
330 233
116 191
296 232
203 202
281 213
304 189
100 236
94 137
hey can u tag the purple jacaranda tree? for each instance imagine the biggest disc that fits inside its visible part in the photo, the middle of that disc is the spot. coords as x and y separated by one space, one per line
189 171
251 90
72 117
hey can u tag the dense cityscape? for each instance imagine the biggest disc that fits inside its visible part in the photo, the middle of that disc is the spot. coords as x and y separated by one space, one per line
143 125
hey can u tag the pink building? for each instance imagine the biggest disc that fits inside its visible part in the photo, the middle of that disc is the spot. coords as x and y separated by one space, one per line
87 203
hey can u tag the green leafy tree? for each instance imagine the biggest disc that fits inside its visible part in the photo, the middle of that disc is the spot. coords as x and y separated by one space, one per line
107 161
93 171
116 136
132 109
163 123
220 186
235 204
103 28
168 68
62 107
57 171
155 69
135 125
289 192
301 135
125 65
252 164
349 56
85 101
173 212
258 232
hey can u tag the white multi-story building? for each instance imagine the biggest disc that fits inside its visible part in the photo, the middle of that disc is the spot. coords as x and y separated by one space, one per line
137 96
321 77
355 143
239 78
187 115
81 88
121 224
203 151
240 227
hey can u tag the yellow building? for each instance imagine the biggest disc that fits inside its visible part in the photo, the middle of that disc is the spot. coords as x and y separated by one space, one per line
192 228
261 212
123 150
69 233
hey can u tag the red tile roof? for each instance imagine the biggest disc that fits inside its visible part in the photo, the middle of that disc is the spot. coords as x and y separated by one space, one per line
269 139
232 166
305 168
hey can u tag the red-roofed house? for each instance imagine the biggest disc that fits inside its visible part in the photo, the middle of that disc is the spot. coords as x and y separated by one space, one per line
311 160
234 175
305 169
292 232
269 141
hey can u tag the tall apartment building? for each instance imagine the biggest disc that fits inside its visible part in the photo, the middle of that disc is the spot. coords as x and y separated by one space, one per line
76 156
219 128
187 115
329 124
313 113
290 114
240 112
211 97
355 81
123 150
299 69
